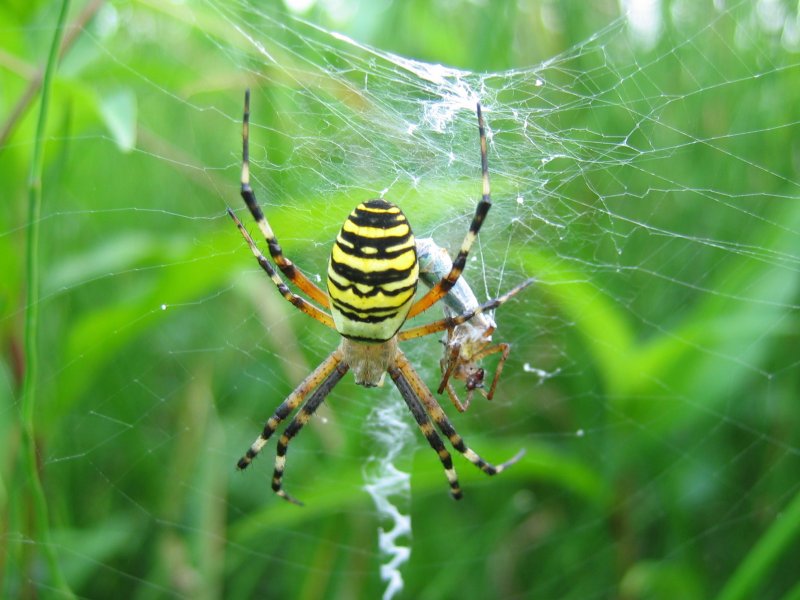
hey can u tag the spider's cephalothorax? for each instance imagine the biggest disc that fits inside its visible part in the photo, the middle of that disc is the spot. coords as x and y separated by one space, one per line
372 278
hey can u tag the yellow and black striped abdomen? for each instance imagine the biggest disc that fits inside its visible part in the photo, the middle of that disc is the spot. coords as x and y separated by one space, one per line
373 272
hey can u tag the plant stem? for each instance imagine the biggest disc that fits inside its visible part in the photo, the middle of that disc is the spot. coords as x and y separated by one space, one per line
28 404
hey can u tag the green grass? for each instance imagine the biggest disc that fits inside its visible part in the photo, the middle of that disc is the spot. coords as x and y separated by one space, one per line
652 192
33 505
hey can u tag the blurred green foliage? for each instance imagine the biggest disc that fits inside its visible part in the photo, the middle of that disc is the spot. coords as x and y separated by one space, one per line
663 453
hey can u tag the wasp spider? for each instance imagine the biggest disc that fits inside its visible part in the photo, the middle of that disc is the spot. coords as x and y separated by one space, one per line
467 344
372 278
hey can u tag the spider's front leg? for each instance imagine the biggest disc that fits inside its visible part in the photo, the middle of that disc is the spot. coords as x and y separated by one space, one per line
446 283
288 268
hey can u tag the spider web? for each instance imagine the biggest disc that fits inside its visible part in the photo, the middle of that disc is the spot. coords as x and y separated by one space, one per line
654 361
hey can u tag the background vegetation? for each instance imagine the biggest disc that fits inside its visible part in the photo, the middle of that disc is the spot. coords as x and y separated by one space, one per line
659 207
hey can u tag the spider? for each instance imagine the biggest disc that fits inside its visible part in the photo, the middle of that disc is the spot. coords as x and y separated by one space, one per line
465 345
372 279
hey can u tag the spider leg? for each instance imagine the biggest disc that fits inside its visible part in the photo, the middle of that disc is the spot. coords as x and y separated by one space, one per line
297 423
423 394
297 301
288 268
445 384
438 291
448 365
450 322
313 381
425 425
460 407
505 349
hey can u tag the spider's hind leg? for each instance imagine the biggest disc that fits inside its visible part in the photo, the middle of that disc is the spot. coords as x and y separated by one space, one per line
300 419
416 394
315 381
425 425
